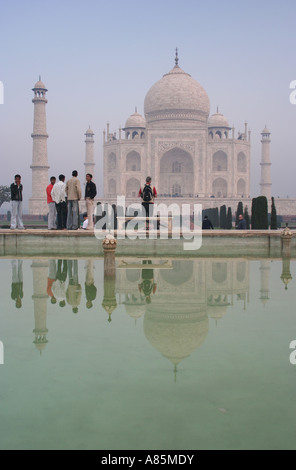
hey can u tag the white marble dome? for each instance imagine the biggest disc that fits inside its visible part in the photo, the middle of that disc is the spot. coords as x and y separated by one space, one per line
39 85
218 120
176 96
135 120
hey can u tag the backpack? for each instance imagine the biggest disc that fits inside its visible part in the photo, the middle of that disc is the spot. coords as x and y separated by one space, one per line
147 193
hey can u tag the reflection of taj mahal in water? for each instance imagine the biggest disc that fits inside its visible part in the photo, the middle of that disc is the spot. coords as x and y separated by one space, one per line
177 299
188 293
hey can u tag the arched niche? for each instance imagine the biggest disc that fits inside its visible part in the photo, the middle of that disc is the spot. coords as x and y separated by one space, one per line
241 162
219 161
241 188
180 274
111 162
241 270
219 187
132 187
112 186
133 161
219 272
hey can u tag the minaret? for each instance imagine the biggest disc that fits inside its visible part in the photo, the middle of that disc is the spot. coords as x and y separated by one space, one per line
265 164
264 276
38 202
89 152
40 297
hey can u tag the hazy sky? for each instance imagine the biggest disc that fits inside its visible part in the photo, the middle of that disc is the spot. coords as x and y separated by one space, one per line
98 60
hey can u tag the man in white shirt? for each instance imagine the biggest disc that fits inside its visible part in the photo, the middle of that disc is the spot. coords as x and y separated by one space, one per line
58 194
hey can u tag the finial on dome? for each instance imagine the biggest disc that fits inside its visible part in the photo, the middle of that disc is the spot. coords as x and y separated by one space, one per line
136 109
176 58
217 109
39 78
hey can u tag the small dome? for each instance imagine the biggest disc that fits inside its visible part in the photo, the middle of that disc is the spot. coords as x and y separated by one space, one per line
176 96
135 310
40 85
216 311
135 120
218 120
89 131
265 131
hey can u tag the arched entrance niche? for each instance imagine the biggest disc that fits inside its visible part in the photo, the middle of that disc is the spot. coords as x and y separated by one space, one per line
176 171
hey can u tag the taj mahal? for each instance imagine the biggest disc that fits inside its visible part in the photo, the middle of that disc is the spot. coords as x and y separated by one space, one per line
192 156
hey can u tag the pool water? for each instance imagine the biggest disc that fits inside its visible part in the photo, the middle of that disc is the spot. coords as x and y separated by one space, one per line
168 354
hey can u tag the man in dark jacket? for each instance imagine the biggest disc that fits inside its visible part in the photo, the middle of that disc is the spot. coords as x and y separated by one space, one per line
90 194
241 223
16 190
207 224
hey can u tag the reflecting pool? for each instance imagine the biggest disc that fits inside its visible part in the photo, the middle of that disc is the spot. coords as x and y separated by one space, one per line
162 354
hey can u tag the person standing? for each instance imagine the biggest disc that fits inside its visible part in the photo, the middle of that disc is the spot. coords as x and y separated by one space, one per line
90 194
207 224
17 282
59 285
90 288
52 213
241 223
16 191
58 194
52 270
147 286
73 191
74 289
148 194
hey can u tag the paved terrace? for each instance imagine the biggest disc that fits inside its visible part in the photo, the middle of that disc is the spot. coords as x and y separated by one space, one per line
81 243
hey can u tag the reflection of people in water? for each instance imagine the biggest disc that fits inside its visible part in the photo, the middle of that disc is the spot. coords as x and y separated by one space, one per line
74 290
17 282
147 285
51 278
90 288
59 285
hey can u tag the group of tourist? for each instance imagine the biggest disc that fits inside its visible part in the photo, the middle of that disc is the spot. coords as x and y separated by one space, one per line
63 202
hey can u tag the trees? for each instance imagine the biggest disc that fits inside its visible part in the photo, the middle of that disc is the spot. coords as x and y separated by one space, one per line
4 194
229 219
253 213
259 218
216 221
273 217
213 215
223 217
247 218
239 212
